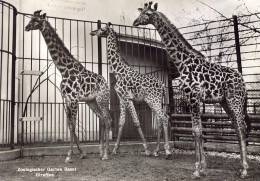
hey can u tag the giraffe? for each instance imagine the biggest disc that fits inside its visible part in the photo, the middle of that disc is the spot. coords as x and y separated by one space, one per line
201 81
133 86
78 84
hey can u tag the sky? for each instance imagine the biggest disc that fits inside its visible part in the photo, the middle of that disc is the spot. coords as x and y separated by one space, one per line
180 12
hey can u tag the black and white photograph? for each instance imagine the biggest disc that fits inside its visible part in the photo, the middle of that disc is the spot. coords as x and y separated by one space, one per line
119 90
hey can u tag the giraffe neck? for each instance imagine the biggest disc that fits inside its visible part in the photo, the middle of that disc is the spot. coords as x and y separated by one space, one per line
61 56
178 48
116 62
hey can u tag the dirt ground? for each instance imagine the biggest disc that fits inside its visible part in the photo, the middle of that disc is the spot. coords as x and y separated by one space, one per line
125 166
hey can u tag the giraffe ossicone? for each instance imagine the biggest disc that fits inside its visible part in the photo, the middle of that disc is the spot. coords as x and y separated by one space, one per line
77 84
133 86
201 81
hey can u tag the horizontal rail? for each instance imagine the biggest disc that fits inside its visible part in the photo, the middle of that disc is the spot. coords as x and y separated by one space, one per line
31 72
31 119
212 116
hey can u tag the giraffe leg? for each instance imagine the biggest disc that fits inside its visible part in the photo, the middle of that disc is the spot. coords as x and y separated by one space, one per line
130 106
72 108
70 152
76 139
101 147
236 111
162 121
95 108
197 133
120 125
107 124
159 129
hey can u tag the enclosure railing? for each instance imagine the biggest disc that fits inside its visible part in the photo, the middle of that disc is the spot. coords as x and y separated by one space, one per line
7 73
44 121
30 80
231 42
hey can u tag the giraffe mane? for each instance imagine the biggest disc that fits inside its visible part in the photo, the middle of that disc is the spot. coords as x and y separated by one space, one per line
180 35
60 41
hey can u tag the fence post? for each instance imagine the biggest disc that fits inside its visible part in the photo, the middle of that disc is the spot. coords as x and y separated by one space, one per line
236 32
13 79
99 50
99 44
171 100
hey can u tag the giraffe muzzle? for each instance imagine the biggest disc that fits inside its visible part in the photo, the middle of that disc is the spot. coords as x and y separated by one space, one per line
93 33
136 23
27 28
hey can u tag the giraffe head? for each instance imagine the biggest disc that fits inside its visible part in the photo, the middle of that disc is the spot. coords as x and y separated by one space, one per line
36 21
102 32
146 13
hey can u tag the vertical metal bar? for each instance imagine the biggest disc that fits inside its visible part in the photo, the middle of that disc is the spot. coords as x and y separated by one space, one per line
85 62
3 118
13 78
51 129
238 53
47 94
99 41
125 43
77 36
39 93
43 122
7 75
34 123
1 62
59 121
82 123
55 93
22 123
30 123
62 105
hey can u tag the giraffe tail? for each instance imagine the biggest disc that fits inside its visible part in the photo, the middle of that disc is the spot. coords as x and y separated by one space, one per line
165 106
247 120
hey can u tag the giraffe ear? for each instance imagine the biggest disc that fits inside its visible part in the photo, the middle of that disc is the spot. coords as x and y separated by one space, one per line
140 9
37 12
155 6
43 16
109 24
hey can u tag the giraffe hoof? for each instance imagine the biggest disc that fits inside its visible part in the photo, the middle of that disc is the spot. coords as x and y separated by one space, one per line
155 153
68 160
83 156
195 175
105 157
202 172
114 152
243 174
168 156
148 153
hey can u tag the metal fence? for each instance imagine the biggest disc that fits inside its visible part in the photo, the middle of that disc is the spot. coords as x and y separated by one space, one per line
234 43
7 72
39 108
28 77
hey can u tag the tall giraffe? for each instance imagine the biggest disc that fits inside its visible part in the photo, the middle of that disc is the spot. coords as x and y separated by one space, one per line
133 86
78 84
201 81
